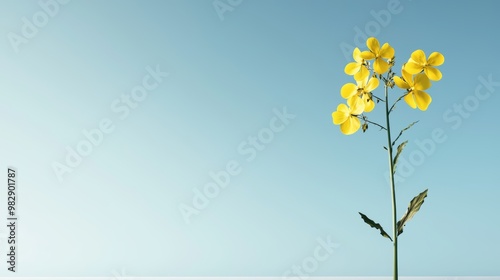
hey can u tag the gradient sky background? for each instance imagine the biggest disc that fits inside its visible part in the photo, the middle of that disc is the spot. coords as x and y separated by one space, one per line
118 211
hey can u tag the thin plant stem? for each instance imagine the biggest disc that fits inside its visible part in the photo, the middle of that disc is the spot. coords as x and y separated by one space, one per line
399 99
363 118
378 98
393 191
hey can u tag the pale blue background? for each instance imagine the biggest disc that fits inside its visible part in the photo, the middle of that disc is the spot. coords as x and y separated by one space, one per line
119 209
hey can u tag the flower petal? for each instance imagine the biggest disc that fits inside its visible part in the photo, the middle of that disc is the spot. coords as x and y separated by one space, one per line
356 105
369 104
362 83
410 100
362 74
348 90
413 67
408 77
419 57
401 83
341 115
350 126
372 84
380 66
367 55
373 45
423 99
356 54
387 51
352 68
422 82
433 73
435 59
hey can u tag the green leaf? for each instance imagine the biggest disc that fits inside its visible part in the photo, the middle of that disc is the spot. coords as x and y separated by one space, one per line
401 132
413 208
400 149
374 225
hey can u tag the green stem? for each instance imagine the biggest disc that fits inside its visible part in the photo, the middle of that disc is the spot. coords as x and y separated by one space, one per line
393 191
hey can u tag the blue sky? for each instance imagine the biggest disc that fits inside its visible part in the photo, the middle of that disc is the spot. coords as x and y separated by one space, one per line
117 114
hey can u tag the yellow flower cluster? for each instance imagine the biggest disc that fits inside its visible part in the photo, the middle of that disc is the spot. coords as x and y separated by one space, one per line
416 74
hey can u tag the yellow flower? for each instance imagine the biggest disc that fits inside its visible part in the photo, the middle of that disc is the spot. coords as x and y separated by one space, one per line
346 116
416 96
418 62
380 66
357 68
362 89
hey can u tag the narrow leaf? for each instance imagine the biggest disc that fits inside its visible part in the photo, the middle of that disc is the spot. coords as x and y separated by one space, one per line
401 132
398 153
374 225
413 208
